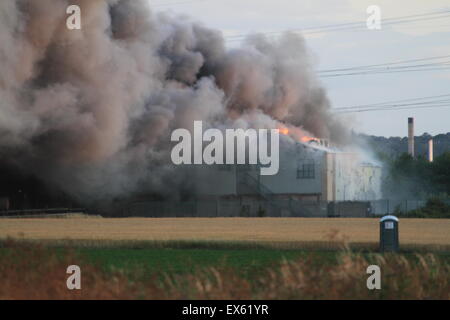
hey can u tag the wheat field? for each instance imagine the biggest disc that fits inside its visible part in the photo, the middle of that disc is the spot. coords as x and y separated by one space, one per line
412 231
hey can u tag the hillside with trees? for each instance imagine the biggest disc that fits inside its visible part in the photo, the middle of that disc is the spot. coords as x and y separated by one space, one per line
395 146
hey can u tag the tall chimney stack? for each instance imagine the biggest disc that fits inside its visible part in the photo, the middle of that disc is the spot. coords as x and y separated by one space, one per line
411 136
430 151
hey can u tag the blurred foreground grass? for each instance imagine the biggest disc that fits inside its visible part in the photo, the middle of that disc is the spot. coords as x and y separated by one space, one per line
195 270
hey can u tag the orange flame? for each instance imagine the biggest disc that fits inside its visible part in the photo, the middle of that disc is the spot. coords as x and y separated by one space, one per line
284 131
308 139
297 133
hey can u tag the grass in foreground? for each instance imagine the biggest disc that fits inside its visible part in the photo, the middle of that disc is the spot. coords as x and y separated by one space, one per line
30 271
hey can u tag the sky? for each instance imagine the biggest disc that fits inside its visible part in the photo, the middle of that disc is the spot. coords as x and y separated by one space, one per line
343 49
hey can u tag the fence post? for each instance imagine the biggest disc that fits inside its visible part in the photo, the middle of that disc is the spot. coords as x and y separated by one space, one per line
217 207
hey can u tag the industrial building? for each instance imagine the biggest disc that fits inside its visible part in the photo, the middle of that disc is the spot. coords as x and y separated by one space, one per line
312 177
308 172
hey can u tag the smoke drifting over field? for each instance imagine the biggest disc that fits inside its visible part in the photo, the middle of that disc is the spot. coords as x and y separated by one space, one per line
91 111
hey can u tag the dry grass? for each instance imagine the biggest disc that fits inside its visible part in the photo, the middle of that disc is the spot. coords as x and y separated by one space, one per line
275 230
33 272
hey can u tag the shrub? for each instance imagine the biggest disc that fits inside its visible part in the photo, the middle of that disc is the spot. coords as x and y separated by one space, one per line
434 208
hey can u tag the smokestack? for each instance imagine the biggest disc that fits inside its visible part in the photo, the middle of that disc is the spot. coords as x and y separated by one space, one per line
430 151
411 136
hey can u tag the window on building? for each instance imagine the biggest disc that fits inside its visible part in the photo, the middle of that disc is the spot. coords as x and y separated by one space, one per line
306 169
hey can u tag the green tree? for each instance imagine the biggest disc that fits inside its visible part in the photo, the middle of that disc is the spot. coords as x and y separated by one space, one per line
409 177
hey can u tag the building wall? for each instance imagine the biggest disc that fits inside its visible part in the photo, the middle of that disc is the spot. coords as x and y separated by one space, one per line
347 179
227 179
304 172
215 180
295 175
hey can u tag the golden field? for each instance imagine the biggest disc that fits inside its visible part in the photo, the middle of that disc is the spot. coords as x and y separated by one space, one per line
412 231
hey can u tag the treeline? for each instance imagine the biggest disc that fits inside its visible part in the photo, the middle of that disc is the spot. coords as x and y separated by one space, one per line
417 178
395 146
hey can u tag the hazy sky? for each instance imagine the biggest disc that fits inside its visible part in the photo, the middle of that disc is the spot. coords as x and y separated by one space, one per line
343 49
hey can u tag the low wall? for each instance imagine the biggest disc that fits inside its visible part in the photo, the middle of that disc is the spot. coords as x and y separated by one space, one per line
382 207
245 207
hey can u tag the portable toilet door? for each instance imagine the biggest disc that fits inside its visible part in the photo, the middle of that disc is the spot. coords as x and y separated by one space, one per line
389 240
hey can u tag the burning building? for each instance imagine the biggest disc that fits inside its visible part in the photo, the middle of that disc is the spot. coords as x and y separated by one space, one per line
310 174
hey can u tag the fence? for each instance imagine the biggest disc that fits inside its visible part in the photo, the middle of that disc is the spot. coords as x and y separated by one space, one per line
245 207
389 206
40 212
251 207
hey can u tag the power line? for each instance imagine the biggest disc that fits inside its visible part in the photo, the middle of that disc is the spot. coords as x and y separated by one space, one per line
174 3
402 100
352 25
394 109
410 27
410 100
437 63
386 64
387 71
388 107
437 101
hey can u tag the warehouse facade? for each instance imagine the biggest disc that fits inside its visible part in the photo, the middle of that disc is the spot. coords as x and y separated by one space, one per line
308 172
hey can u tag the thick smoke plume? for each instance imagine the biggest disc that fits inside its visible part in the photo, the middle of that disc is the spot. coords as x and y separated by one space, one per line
91 111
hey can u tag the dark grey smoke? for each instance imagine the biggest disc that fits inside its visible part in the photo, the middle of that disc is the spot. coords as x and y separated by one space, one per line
91 111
